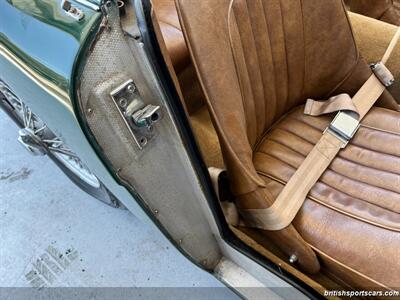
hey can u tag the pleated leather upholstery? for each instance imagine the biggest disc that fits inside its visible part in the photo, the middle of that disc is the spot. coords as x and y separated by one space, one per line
353 212
257 60
168 21
363 180
278 55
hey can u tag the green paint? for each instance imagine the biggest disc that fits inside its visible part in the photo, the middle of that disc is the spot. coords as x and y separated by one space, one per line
45 38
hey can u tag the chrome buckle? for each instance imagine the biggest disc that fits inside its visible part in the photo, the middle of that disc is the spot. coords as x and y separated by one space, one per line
343 127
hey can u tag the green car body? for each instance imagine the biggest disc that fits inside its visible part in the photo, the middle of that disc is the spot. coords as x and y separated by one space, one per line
41 52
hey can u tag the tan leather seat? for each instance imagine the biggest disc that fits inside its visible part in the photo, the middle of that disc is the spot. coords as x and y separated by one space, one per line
353 212
168 20
258 61
384 10
172 33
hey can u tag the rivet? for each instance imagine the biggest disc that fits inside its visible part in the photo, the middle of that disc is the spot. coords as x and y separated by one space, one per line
292 258
180 241
89 110
156 211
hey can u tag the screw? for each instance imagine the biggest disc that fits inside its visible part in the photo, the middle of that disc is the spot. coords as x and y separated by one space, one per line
131 88
180 241
156 211
122 102
292 258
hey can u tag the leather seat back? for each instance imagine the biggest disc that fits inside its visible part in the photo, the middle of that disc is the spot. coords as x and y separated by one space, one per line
167 20
385 10
257 59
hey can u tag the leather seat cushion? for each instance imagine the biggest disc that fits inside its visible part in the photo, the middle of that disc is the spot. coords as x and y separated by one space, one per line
352 215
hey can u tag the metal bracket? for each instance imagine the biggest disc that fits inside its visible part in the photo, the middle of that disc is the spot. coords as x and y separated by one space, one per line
139 117
383 74
344 126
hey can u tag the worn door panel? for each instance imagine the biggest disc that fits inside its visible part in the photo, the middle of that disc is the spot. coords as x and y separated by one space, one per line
40 51
160 172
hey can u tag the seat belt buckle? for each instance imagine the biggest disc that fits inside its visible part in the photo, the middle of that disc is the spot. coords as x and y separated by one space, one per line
383 74
343 127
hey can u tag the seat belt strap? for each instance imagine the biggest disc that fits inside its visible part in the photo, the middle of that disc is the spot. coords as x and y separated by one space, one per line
333 104
343 102
228 208
285 208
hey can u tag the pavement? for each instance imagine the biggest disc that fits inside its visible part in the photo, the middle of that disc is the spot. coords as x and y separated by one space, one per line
45 218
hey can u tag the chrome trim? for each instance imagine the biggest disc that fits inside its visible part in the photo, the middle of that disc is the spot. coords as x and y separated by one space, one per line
344 126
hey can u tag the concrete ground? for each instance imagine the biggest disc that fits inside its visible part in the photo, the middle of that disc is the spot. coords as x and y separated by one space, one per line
45 217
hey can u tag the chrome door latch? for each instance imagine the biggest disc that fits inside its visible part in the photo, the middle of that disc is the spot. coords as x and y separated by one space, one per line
72 10
139 117
147 116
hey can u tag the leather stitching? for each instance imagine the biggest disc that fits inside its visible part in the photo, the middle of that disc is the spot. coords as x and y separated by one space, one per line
274 96
379 129
222 133
305 48
339 175
286 56
320 252
341 157
312 198
231 14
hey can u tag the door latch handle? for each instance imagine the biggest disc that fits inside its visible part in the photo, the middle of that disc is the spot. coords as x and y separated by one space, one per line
71 10
146 116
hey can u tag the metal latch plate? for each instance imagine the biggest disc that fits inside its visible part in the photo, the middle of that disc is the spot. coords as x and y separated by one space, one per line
344 126
138 116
